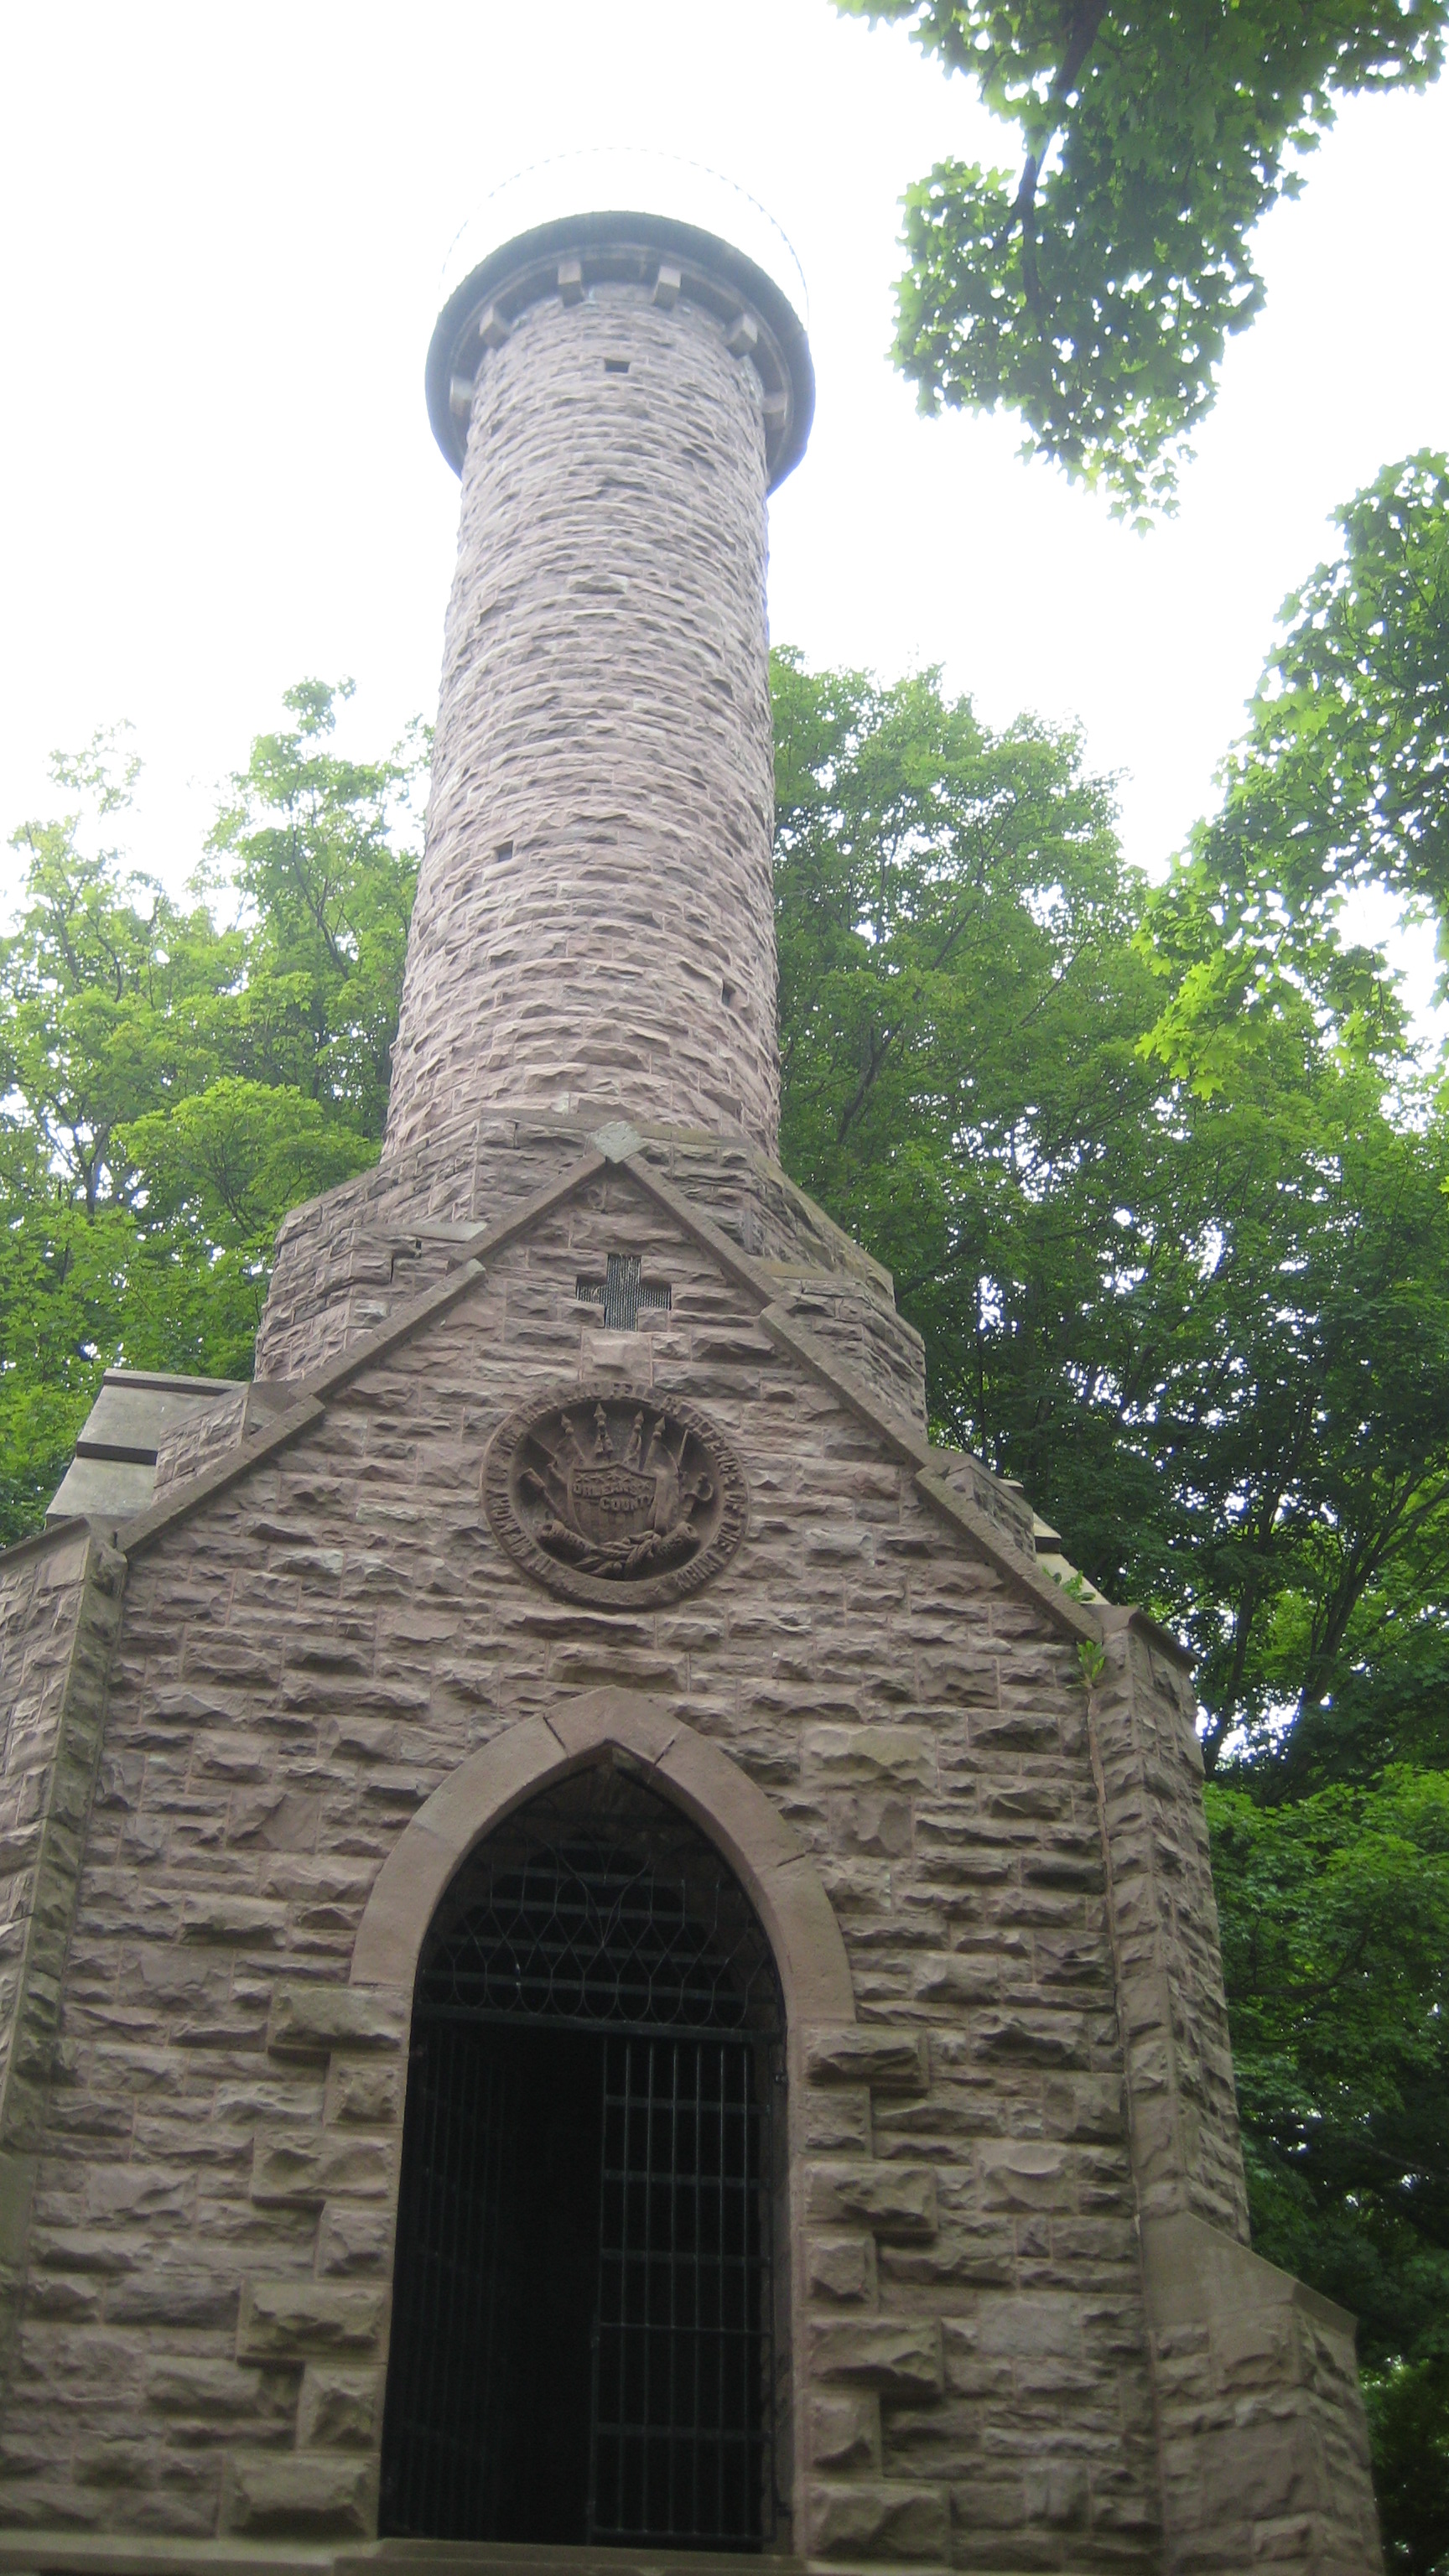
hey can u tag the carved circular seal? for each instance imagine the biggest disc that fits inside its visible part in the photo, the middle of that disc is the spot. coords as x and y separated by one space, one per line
613 1496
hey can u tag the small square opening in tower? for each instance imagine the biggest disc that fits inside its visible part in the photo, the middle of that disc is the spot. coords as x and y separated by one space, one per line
616 366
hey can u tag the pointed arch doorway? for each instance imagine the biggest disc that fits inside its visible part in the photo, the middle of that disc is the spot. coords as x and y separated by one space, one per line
584 2344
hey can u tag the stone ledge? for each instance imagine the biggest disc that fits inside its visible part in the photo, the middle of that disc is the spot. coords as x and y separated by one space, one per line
537 2558
72 2553
112 2553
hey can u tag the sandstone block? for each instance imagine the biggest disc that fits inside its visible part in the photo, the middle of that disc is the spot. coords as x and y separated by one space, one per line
339 2409
247 1922
1269 2468
287 2167
841 2268
194 2385
362 2089
900 2355
896 2201
1042 2038
845 2428
287 2320
879 2520
866 2053
869 1757
1057 2492
81 2250
164 2295
835 2120
310 2021
1036 2327
943 1977
1026 2173
354 2236
298 2494
135 2191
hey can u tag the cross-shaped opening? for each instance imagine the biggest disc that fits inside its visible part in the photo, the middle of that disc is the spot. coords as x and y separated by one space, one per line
622 1293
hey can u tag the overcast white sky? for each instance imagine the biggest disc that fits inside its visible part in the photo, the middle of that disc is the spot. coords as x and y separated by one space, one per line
223 230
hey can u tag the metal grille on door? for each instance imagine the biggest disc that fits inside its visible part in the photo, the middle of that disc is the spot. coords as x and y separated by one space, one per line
582 2342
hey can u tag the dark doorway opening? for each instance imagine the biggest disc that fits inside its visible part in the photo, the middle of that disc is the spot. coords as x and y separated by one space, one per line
583 2344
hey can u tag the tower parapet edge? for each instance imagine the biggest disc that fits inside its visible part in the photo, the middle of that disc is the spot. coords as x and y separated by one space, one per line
594 927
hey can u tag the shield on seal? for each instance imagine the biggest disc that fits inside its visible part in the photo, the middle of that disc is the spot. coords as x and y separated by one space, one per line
608 1500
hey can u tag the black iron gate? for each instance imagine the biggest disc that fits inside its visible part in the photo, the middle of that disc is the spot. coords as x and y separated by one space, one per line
681 2335
582 2335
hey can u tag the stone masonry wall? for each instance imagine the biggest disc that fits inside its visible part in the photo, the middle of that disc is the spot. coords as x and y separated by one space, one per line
349 1259
305 1657
594 921
60 1603
45 1625
1170 2000
1261 2426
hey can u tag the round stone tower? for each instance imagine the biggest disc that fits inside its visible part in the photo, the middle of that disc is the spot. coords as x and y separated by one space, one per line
594 928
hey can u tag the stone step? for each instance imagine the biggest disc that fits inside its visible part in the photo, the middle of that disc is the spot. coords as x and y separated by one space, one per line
516 2558
72 2553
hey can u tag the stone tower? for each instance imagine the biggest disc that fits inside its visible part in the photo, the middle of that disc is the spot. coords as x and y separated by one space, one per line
592 1973
594 922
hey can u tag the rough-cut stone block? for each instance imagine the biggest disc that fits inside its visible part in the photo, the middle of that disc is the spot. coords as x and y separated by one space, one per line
313 2167
845 2429
298 2494
889 2061
354 2236
286 2320
894 2201
338 2409
902 1757
872 2521
1026 2173
362 2089
835 2120
841 2268
901 2355
199 2386
310 2021
246 1922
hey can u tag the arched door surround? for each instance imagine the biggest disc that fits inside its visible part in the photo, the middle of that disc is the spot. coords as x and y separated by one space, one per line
774 1869
584 2335
772 1865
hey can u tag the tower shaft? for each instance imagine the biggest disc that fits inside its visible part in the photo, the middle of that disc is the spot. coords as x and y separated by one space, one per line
594 921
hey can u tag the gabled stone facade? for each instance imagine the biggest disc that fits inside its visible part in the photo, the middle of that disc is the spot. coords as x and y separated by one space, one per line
256 1727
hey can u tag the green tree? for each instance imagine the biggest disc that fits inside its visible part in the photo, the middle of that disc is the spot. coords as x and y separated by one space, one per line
1209 1331
1094 292
173 1083
1206 1322
1335 1918
1341 784
310 846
